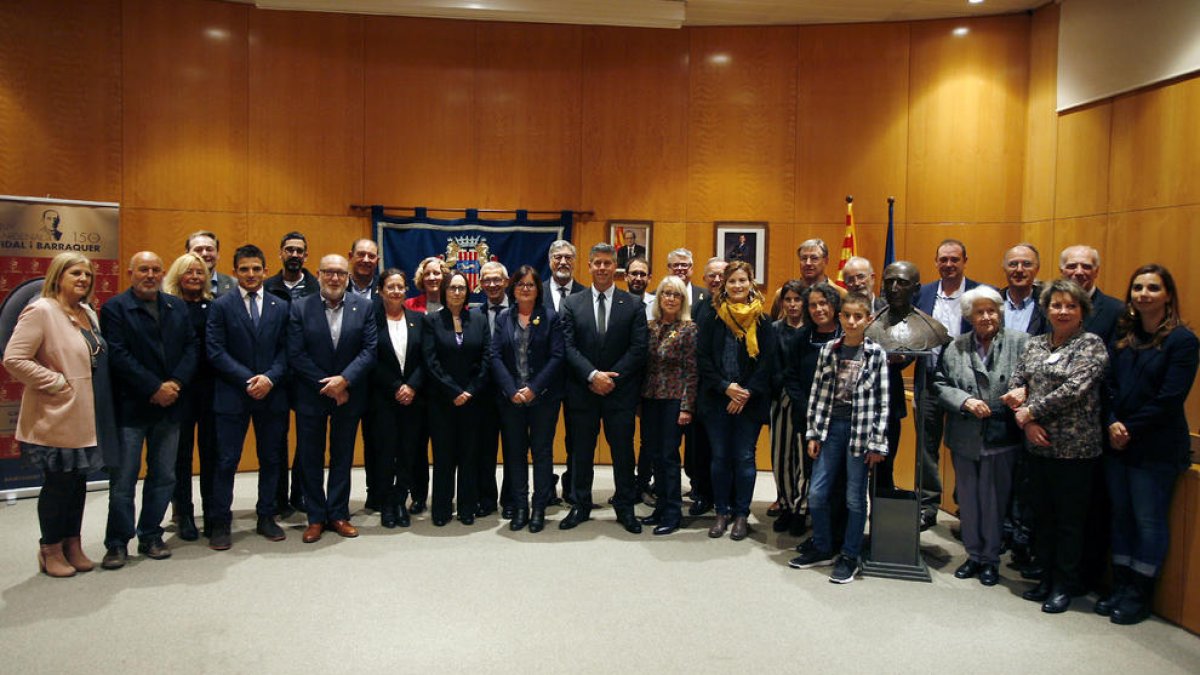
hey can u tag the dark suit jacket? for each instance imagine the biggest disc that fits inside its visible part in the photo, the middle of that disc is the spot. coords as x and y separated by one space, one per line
927 296
225 284
623 350
143 354
313 356
274 285
623 256
1147 390
453 369
548 288
1038 323
753 374
1103 319
238 351
387 376
547 352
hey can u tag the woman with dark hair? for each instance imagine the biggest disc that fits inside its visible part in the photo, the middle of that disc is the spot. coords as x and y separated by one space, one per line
188 280
65 425
1154 361
455 349
1056 397
396 403
736 354
785 445
527 365
820 305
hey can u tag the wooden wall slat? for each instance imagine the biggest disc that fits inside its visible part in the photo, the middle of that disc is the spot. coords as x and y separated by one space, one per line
1082 176
1041 120
1154 141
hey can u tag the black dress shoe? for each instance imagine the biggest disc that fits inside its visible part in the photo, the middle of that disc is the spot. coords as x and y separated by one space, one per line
402 518
537 522
967 570
783 522
519 520
666 528
468 519
507 513
1040 592
555 501
1058 602
652 519
187 528
699 507
440 521
574 517
799 525
418 507
928 520
629 522
989 575
270 529
1033 571
483 511
387 517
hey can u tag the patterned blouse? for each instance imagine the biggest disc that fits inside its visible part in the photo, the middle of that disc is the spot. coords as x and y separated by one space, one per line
1063 393
671 371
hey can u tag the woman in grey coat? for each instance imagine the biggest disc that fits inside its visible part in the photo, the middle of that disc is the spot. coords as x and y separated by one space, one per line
981 432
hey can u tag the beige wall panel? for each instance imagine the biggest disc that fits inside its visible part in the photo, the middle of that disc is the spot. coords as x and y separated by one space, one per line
1089 230
527 116
635 123
306 112
702 243
165 232
60 99
1187 546
325 234
1081 182
184 89
1041 119
419 107
967 120
985 243
853 120
1156 147
667 238
742 124
1173 582
1041 235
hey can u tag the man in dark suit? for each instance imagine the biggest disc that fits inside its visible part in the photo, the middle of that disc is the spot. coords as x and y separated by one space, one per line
557 288
153 354
493 276
205 244
939 299
629 250
293 281
1021 310
364 282
606 338
246 341
1081 264
697 458
331 347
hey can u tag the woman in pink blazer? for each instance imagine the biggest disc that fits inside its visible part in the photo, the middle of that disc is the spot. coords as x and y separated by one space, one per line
54 348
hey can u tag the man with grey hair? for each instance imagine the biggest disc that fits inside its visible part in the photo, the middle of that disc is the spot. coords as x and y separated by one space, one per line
1021 311
1081 264
679 262
562 275
814 257
859 277
493 277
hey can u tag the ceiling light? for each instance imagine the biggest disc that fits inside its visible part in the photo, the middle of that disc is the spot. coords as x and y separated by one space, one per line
960 31
974 2
721 59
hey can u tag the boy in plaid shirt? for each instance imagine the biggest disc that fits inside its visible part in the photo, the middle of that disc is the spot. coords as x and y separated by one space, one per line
847 423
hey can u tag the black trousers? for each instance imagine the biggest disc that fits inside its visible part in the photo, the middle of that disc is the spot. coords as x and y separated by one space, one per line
281 489
397 430
1062 490
327 499
60 505
455 434
197 431
617 417
697 460
528 431
489 446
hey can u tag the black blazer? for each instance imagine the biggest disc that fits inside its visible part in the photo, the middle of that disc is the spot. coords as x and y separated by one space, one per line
387 376
144 353
1103 319
546 356
753 374
548 287
1147 390
452 369
623 350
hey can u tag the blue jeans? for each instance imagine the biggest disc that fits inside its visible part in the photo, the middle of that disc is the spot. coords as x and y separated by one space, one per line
733 438
1141 506
827 467
162 444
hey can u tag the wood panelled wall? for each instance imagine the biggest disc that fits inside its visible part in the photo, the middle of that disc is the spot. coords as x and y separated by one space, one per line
203 113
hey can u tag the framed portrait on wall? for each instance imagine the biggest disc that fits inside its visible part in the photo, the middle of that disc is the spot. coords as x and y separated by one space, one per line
631 238
743 241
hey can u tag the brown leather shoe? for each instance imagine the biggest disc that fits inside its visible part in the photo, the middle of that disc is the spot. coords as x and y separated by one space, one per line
73 552
312 534
344 528
718 529
740 529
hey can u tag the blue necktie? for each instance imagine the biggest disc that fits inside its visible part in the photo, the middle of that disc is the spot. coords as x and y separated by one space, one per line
253 308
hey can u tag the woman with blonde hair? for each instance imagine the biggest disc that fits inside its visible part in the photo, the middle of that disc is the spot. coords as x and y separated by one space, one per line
65 426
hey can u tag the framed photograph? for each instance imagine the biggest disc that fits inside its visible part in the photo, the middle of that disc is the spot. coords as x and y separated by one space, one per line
631 238
743 241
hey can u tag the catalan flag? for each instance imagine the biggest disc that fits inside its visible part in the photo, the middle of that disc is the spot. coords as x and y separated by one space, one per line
849 245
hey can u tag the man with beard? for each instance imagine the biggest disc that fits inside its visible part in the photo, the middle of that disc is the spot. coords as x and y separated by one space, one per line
331 348
637 281
292 282
556 289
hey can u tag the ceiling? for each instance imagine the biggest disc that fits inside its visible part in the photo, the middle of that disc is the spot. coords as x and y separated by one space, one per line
665 13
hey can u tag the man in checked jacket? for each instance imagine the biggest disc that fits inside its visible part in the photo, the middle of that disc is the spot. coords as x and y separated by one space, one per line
847 431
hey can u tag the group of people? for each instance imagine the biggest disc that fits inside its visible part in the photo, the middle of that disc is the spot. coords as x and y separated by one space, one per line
1030 385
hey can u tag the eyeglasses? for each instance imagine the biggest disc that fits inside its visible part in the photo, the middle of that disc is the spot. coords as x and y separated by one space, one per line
492 281
672 294
680 266
562 257
526 286
294 250
637 274
1022 264
336 274
456 289
811 258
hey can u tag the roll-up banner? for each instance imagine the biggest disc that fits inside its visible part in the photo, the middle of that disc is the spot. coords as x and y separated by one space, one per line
32 232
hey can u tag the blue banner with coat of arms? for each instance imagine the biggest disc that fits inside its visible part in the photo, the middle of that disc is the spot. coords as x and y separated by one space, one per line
466 243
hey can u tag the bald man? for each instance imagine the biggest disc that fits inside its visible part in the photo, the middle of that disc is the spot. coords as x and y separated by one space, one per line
152 350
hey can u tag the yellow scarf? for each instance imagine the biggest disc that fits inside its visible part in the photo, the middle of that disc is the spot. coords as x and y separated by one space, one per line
742 320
